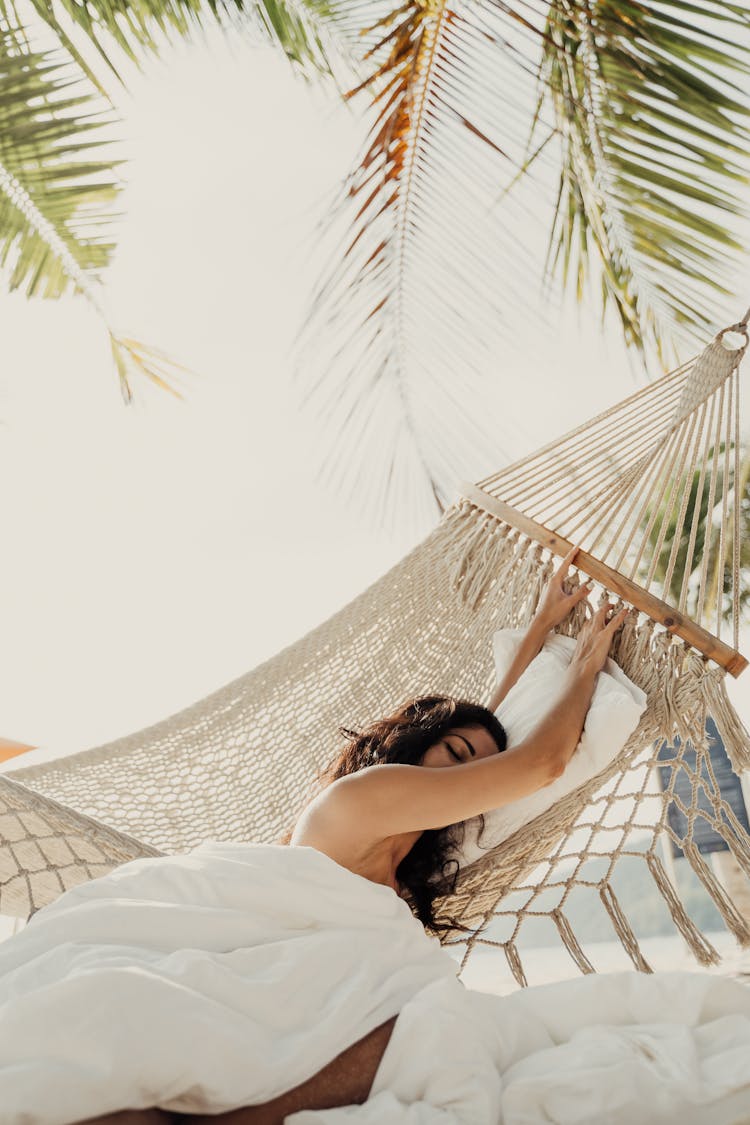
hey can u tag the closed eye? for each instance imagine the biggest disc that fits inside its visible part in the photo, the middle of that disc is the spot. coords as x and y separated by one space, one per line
452 751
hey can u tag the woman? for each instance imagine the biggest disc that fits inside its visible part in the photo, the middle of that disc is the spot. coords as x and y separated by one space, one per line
395 825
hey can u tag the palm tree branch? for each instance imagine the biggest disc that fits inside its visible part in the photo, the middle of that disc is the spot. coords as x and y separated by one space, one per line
303 29
419 211
56 197
613 71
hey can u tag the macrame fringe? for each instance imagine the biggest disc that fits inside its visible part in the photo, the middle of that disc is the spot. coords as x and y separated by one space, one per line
519 574
622 928
701 948
734 921
728 723
570 941
483 554
681 687
514 961
542 575
625 647
478 548
573 622
734 836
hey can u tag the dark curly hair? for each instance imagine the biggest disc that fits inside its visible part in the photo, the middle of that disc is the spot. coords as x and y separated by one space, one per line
404 737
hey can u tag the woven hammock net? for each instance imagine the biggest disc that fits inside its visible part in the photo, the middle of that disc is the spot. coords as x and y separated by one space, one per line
628 487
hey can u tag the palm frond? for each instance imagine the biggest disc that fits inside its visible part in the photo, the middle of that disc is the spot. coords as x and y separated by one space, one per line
57 185
655 136
304 30
692 543
133 357
300 28
412 316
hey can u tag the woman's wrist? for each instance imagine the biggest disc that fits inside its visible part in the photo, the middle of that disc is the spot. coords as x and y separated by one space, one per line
582 672
537 632
541 624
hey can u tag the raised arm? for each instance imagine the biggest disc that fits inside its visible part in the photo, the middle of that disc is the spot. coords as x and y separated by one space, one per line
554 607
392 799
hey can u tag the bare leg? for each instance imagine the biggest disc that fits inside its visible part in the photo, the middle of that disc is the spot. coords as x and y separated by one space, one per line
346 1080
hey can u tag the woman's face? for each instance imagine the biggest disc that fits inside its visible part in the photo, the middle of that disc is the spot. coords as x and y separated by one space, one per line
459 745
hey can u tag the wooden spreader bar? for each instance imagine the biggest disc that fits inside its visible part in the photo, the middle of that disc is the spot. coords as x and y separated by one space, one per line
722 654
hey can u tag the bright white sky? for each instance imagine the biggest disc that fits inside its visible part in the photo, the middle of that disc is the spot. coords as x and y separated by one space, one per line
152 553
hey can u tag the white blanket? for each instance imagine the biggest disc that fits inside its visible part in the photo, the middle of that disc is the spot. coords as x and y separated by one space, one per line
219 979
614 1049
203 982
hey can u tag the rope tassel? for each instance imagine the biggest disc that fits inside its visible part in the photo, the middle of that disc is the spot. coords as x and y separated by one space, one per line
701 948
728 723
734 837
479 550
514 961
623 928
570 941
734 921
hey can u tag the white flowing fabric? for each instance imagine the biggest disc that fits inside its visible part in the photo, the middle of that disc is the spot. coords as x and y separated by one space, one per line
208 981
615 1049
205 981
628 1047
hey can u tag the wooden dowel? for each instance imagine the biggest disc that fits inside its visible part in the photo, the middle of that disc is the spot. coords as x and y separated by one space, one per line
672 620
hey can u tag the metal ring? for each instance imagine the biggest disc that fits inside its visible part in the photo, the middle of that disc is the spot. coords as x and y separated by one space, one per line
740 329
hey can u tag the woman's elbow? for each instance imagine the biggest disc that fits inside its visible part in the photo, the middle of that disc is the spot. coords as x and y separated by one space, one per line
554 765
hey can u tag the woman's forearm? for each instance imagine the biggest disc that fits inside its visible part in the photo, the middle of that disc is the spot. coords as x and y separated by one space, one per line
556 603
559 731
530 646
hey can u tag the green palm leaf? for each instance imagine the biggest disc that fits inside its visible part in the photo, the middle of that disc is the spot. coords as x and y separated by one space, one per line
57 186
655 131
412 319
57 168
432 280
682 554
300 28
58 189
303 31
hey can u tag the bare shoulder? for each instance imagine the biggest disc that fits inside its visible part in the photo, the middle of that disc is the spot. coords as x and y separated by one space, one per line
385 800
349 800
364 808
353 817
336 813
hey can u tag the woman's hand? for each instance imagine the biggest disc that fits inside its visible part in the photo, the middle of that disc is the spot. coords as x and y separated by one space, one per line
556 603
595 639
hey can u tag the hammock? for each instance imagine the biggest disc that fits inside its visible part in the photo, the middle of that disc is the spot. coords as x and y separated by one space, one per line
239 764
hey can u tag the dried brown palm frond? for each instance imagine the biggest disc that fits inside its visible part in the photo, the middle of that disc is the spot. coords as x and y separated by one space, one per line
501 133
407 326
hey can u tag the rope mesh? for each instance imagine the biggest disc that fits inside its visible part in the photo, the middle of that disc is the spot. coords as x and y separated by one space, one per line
240 764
